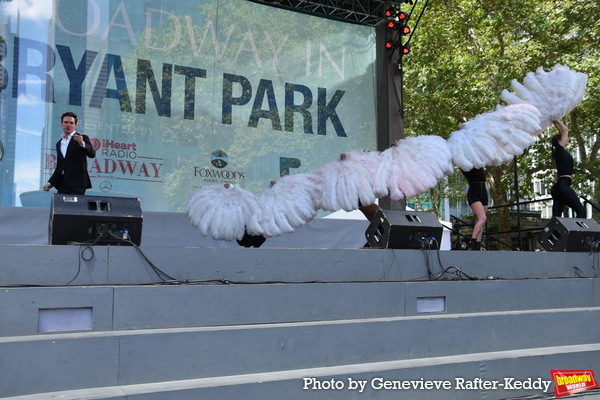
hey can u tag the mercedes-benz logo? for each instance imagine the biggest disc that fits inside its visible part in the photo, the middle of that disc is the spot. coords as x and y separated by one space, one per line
105 186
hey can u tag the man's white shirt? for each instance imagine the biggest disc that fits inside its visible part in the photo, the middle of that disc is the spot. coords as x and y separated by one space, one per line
64 144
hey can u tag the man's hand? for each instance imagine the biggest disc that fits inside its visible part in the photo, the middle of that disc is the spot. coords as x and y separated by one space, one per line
46 187
79 139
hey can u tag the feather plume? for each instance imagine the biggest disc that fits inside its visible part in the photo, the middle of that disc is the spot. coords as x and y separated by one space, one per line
348 180
289 203
554 93
224 212
496 137
412 166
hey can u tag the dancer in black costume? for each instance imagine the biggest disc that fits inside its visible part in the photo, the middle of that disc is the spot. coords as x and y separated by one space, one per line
478 199
562 193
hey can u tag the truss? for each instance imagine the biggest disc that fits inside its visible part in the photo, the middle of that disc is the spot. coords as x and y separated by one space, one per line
361 12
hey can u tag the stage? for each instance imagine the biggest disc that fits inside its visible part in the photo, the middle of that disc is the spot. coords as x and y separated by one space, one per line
324 250
184 317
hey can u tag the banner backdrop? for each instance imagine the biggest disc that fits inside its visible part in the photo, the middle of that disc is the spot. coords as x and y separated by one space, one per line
176 95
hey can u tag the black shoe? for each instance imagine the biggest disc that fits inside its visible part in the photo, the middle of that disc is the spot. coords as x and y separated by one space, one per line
470 244
251 240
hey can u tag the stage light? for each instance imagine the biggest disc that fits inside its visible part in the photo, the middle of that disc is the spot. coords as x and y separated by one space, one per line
396 21
431 304
394 14
404 29
65 319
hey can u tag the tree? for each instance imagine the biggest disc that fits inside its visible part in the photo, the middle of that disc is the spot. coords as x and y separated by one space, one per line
465 52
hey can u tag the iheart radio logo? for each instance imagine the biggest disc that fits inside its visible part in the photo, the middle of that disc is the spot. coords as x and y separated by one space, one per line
568 382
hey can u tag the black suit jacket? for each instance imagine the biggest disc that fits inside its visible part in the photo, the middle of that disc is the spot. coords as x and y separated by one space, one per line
73 167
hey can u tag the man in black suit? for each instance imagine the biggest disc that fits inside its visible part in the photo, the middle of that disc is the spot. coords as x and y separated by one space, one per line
71 175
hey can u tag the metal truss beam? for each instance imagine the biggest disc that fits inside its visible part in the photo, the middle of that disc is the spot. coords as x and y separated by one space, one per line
361 12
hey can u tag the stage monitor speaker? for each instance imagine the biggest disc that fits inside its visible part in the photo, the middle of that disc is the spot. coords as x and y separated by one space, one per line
570 234
95 219
395 229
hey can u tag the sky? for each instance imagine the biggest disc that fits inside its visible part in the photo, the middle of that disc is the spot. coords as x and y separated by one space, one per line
32 18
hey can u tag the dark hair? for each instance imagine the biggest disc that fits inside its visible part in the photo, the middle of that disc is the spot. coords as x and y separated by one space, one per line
555 140
68 114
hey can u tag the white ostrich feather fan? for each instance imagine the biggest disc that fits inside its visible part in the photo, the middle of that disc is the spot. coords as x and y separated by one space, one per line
412 166
554 93
290 202
348 180
496 137
224 212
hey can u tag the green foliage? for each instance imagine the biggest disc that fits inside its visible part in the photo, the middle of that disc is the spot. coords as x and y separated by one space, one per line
465 52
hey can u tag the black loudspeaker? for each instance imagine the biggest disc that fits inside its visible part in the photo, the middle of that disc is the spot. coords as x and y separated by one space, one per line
96 220
570 234
393 229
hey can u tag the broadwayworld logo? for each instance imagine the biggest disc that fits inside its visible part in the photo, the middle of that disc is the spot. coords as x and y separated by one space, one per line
568 382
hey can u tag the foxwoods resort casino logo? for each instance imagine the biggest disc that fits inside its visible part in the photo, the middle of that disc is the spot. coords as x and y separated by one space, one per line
568 382
219 159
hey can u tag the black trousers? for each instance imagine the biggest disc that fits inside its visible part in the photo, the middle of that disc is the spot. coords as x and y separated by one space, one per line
65 189
564 195
71 189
